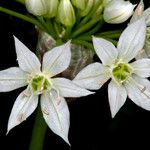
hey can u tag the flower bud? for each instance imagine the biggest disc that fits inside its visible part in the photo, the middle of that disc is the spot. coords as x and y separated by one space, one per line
88 8
52 6
80 4
105 2
46 8
118 11
66 14
36 7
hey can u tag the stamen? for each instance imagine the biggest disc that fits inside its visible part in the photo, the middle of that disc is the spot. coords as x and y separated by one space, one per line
58 100
26 94
141 51
58 96
115 61
143 89
45 111
21 117
101 82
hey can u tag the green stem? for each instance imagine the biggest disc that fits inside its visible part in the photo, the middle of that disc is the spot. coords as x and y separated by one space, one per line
21 16
39 131
56 28
85 38
92 31
86 27
67 33
110 34
45 25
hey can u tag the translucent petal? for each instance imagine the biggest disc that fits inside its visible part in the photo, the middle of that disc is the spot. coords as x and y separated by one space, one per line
11 79
132 40
92 77
23 107
57 60
117 97
138 91
27 60
69 89
105 50
141 67
56 114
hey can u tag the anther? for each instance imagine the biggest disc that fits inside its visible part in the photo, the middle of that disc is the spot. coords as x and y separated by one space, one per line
21 117
143 89
45 111
58 100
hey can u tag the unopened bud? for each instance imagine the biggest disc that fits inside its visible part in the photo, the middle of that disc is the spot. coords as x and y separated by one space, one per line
52 7
118 11
80 4
105 2
36 7
88 8
66 14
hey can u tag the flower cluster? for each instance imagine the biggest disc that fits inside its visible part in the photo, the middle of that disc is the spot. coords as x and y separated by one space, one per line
126 64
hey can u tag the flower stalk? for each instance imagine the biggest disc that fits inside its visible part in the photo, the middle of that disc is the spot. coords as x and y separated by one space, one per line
23 17
38 132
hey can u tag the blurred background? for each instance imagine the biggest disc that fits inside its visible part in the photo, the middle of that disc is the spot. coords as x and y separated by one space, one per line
92 127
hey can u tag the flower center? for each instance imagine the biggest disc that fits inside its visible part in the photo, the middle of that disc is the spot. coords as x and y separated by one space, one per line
121 72
40 83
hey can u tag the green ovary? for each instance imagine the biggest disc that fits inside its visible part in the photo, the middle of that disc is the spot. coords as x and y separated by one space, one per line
39 84
121 72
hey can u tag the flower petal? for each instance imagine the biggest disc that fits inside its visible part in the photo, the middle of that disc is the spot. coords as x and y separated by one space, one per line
57 60
105 50
147 16
23 107
69 89
27 60
11 79
117 97
138 12
141 67
56 115
92 77
138 91
132 40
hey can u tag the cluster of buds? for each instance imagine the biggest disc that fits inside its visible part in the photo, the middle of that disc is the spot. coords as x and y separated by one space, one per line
114 11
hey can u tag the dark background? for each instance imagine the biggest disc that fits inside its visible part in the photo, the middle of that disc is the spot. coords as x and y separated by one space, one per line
92 127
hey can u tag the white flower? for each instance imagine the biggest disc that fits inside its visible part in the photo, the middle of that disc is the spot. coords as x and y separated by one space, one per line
40 80
139 12
118 11
126 78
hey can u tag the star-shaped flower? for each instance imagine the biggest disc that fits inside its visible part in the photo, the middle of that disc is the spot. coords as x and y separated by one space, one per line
127 78
40 81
